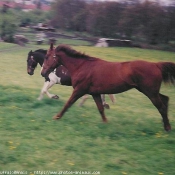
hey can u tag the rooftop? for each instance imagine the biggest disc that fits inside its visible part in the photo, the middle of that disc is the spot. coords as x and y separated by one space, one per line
24 6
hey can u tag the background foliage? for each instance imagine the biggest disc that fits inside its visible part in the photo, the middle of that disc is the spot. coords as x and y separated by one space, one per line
14 18
142 20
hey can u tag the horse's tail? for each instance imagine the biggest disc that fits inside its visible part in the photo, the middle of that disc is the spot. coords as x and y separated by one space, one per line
168 71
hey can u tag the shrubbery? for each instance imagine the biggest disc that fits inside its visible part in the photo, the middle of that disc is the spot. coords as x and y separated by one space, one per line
12 19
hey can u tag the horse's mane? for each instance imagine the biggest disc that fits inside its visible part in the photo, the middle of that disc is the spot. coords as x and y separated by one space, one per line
71 52
41 51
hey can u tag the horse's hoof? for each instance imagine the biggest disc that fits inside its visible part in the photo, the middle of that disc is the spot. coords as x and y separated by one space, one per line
105 120
167 128
106 106
80 105
56 117
55 97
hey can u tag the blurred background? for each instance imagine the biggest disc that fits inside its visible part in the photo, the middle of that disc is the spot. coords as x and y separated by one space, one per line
144 23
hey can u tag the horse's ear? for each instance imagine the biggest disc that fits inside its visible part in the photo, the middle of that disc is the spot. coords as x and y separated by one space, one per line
51 46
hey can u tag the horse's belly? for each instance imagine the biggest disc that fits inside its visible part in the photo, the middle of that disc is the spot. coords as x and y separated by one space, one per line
110 87
54 78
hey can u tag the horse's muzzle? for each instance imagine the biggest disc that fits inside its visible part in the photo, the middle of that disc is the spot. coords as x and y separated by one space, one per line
30 72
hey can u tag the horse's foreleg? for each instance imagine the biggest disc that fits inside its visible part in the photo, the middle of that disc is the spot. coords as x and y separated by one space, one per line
98 101
43 90
74 97
51 83
47 85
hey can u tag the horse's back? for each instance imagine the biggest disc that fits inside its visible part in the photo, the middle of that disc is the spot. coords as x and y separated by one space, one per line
146 74
107 77
121 76
145 68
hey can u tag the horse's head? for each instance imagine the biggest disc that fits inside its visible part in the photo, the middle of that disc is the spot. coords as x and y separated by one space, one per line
31 63
50 63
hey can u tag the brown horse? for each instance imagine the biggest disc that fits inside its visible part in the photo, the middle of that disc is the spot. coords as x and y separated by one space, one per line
60 76
95 76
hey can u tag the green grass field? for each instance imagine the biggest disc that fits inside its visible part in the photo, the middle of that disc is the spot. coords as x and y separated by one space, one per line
133 142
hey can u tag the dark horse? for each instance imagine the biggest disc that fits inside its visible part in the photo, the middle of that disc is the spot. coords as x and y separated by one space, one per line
95 76
60 76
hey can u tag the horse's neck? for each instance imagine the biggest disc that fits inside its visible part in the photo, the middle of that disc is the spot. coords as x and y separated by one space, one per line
40 59
72 64
41 62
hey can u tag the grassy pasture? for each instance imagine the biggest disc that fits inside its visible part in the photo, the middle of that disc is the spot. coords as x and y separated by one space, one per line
132 143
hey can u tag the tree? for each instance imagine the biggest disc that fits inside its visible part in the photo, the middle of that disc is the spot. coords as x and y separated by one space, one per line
103 18
8 26
146 20
69 13
129 21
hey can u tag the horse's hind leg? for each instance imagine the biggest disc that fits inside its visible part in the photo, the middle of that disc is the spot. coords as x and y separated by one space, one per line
161 103
106 105
83 99
98 101
165 100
